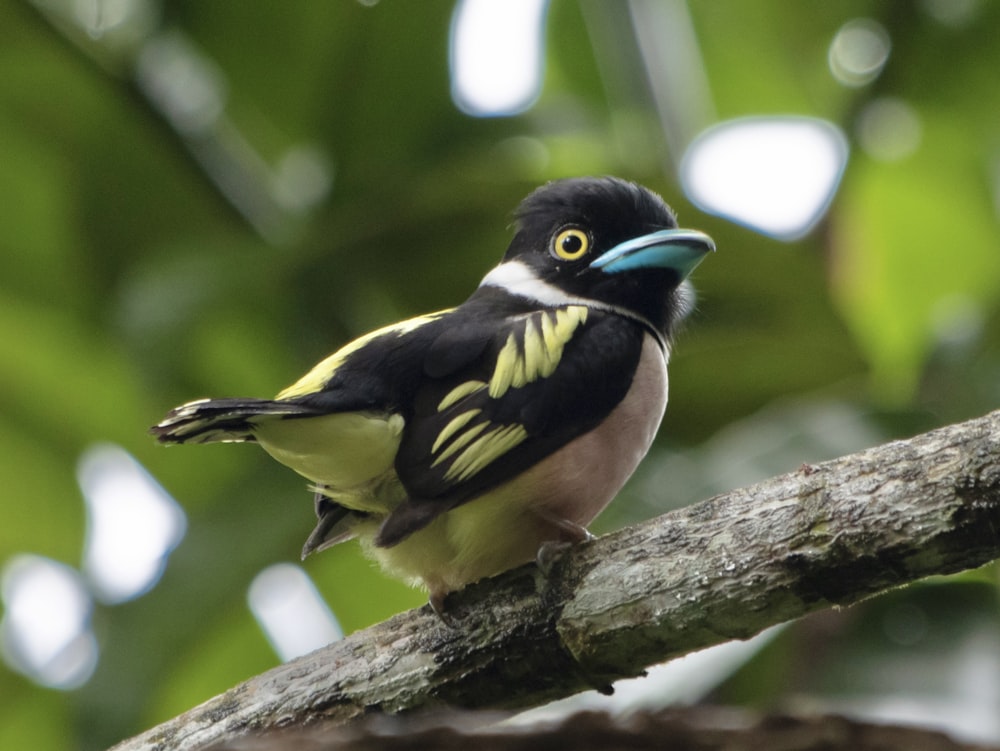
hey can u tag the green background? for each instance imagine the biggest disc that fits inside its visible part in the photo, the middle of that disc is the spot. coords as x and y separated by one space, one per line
129 283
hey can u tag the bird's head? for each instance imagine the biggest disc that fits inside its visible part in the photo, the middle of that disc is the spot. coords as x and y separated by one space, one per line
603 240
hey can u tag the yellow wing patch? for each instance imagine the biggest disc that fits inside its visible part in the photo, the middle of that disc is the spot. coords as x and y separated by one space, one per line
460 392
528 354
483 450
456 424
460 441
317 378
539 350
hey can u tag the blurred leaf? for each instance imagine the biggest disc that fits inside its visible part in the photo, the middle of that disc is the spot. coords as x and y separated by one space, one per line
43 510
64 380
39 255
36 719
128 283
915 244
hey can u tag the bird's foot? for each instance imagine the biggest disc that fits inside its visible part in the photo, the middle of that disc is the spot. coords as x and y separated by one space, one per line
549 554
569 533
436 601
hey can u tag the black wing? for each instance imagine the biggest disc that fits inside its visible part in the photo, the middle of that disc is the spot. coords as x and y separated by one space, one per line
533 385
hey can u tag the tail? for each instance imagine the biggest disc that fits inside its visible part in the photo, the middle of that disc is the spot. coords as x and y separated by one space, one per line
225 420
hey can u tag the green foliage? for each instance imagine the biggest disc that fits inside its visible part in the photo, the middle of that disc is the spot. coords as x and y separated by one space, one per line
917 255
129 283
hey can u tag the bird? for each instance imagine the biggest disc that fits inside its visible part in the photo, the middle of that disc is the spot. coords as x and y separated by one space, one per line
465 442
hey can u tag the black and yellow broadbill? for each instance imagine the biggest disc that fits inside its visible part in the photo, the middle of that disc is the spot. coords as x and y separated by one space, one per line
457 444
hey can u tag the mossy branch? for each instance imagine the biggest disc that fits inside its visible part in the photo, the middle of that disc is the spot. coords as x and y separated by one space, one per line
725 568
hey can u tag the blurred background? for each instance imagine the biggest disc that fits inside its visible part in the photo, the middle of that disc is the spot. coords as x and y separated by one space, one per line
205 198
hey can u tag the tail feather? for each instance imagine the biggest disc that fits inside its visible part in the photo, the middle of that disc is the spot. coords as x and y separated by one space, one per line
221 420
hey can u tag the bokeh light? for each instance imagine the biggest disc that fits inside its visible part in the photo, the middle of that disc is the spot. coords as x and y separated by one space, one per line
497 53
291 611
45 633
888 129
776 175
859 51
132 524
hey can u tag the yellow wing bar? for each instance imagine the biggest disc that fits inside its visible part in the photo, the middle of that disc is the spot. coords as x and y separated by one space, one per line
317 378
531 352
539 350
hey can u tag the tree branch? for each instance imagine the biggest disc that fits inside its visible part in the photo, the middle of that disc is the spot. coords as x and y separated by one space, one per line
827 534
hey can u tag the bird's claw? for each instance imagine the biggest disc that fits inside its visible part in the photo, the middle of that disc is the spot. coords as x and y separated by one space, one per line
549 554
436 601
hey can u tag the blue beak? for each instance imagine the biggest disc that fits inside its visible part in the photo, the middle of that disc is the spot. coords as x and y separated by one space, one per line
677 249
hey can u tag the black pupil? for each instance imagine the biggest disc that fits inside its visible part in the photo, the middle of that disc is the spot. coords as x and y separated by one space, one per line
571 244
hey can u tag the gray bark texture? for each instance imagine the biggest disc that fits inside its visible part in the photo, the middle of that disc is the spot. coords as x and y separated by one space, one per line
825 535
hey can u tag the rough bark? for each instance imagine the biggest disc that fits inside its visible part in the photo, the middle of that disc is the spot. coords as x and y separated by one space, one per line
679 729
826 534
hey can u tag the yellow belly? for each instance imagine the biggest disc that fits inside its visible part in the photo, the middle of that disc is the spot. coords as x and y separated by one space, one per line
480 538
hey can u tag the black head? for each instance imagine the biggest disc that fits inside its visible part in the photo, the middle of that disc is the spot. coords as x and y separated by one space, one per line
607 240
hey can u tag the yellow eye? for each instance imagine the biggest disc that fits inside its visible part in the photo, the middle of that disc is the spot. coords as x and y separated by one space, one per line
571 244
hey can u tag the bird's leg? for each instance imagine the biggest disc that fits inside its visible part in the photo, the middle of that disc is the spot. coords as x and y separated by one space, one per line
550 551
